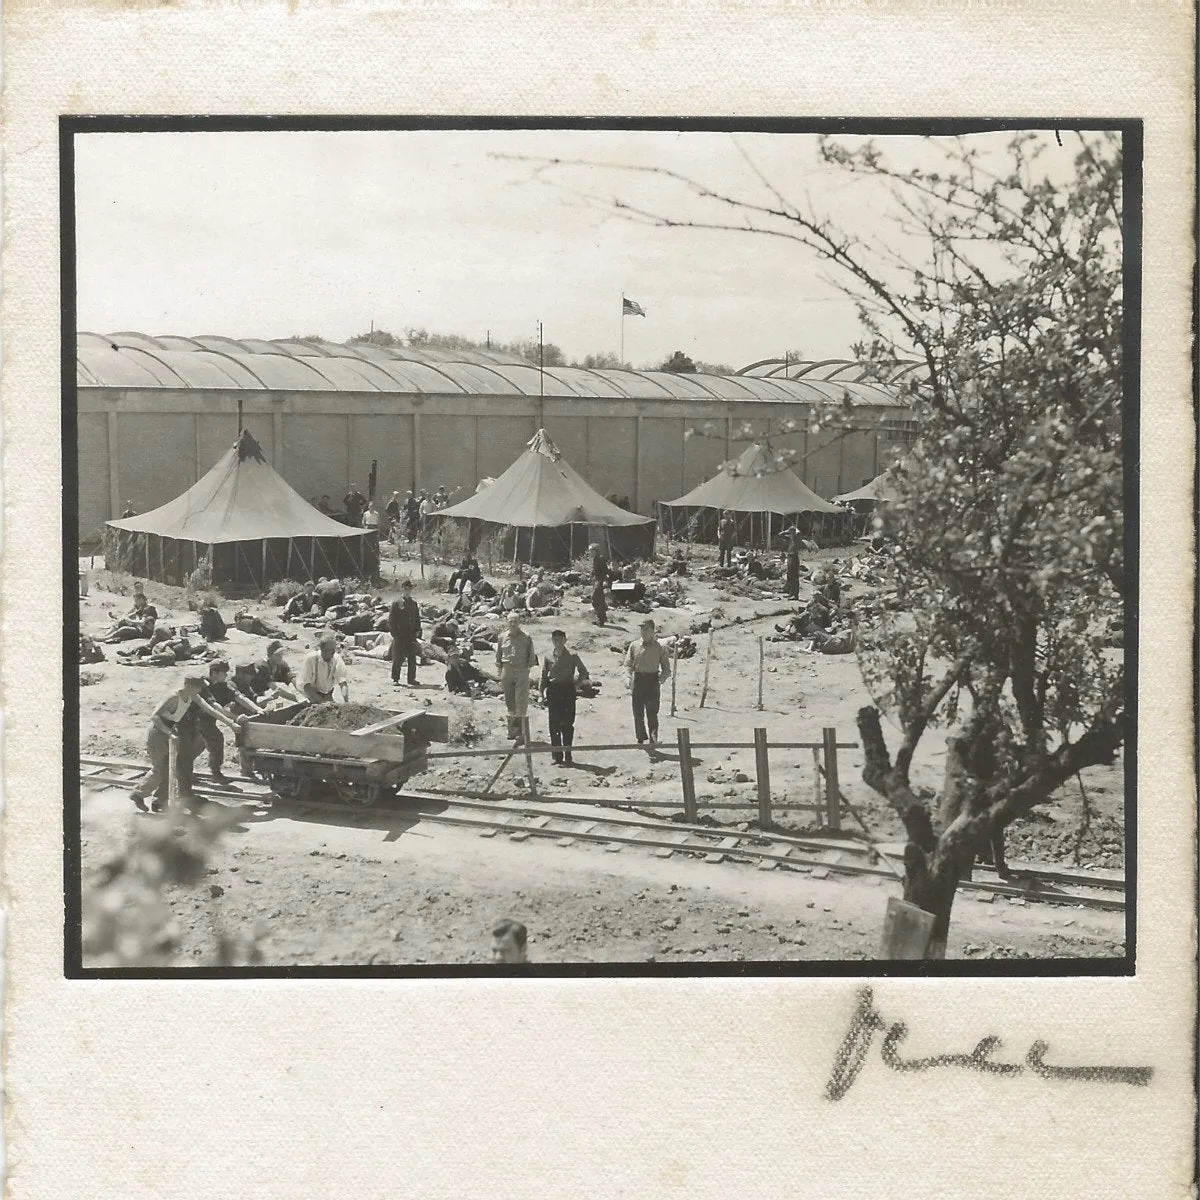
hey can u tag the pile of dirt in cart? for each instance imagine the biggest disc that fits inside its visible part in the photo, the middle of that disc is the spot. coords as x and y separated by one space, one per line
339 716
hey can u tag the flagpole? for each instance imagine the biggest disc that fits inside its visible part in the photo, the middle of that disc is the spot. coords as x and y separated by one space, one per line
541 381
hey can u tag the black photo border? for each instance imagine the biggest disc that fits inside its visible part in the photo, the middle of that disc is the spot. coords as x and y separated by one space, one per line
71 127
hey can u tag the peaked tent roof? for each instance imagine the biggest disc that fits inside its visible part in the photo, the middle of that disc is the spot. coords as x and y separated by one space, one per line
755 484
242 498
542 488
879 490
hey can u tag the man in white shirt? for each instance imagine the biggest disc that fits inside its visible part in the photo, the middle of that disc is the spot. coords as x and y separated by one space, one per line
648 666
323 670
515 658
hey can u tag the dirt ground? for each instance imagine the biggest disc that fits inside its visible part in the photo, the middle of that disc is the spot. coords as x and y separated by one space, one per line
330 894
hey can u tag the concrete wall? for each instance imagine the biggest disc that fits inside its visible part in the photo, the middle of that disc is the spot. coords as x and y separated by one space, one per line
147 446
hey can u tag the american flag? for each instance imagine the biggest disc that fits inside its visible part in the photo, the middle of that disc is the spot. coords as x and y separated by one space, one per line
631 308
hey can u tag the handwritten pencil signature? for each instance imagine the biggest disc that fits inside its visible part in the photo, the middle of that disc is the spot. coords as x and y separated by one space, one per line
866 1022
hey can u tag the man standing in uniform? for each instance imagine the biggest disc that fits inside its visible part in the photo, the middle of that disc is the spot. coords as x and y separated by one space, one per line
323 670
515 658
647 665
404 624
559 675
725 532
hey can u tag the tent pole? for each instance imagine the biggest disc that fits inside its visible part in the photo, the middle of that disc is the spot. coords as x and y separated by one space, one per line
264 563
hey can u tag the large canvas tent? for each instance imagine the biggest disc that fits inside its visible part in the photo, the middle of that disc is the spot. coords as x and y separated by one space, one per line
877 491
255 527
763 498
549 514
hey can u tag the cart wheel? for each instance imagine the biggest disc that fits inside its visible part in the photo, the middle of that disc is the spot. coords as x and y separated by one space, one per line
351 792
290 787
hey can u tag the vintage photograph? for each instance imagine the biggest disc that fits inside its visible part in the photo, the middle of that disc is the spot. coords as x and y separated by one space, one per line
603 547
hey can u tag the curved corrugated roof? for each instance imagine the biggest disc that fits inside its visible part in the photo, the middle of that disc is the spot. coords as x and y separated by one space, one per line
213 362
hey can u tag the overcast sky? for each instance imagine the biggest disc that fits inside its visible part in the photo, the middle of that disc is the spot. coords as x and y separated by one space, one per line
286 234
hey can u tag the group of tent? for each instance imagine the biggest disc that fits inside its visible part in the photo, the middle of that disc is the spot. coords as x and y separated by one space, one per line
249 527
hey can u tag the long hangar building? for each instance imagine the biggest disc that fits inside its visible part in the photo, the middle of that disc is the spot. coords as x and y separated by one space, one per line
155 413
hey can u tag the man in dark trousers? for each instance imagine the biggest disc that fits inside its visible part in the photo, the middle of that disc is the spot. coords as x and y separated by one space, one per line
647 665
599 583
404 624
725 532
560 672
219 693
793 562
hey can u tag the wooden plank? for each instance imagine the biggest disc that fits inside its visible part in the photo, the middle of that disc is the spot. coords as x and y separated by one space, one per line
907 930
762 770
686 774
338 742
395 719
833 812
818 796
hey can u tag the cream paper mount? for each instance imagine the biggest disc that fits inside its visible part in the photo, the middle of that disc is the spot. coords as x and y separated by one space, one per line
596 1087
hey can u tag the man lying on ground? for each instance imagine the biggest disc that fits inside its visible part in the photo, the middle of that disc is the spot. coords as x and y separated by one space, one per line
248 623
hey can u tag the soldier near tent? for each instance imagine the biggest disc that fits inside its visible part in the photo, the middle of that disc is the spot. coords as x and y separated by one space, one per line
561 671
404 624
647 665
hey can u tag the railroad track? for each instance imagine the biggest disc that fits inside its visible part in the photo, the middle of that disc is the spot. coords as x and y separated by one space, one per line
616 828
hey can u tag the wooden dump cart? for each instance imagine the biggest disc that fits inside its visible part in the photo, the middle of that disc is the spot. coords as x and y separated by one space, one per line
358 766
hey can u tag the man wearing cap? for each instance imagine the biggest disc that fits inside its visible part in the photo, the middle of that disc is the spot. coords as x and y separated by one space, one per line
267 677
404 624
515 658
218 692
647 665
324 670
559 674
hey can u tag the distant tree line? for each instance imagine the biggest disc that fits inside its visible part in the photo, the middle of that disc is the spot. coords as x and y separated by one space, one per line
526 349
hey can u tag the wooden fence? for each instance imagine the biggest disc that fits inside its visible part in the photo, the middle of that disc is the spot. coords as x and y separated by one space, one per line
826 802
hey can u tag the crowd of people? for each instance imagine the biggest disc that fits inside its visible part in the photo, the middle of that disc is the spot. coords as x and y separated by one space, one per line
475 634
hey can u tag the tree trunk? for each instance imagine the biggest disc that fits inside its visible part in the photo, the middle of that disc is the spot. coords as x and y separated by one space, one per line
933 864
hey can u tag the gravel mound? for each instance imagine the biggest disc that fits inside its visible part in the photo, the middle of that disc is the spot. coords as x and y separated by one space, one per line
339 716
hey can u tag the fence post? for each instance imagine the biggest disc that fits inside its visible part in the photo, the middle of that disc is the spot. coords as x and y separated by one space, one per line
760 669
833 810
818 797
528 757
687 777
674 672
707 661
762 771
